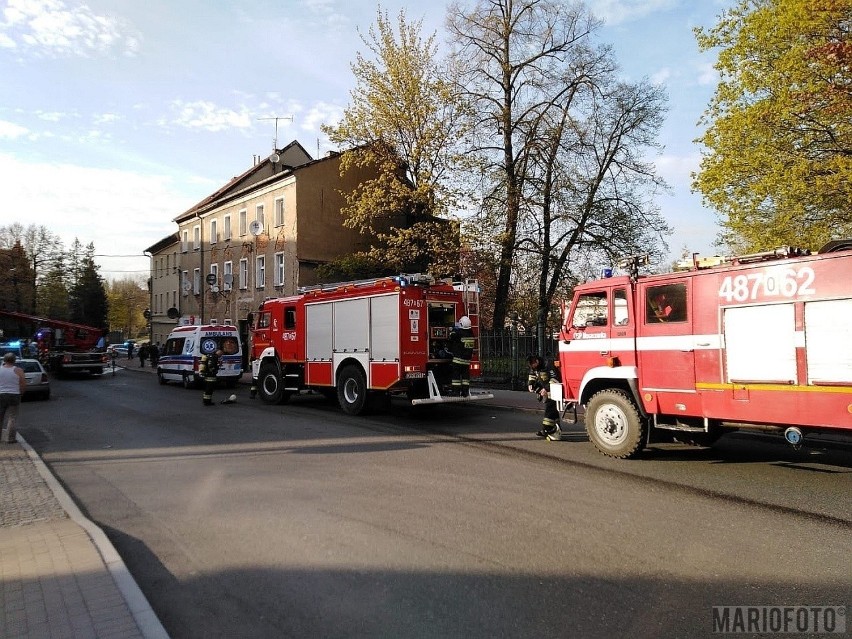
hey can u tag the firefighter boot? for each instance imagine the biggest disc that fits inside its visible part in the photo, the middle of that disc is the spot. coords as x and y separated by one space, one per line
554 434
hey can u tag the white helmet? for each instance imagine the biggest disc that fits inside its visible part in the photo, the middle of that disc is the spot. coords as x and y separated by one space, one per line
464 322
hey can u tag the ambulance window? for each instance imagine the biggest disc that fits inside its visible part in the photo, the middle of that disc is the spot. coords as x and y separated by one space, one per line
590 310
666 303
620 311
290 317
229 346
174 346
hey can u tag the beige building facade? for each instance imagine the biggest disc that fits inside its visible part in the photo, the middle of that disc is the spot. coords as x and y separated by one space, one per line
262 235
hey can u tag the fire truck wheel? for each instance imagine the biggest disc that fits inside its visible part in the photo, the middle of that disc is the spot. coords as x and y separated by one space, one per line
614 425
270 386
352 390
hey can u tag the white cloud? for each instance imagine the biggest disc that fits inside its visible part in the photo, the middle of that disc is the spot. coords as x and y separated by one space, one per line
677 170
205 115
57 29
10 130
707 74
620 11
121 212
661 76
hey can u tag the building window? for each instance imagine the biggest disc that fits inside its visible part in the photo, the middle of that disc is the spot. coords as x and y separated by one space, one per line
242 222
214 235
244 273
259 215
214 270
279 269
260 271
228 276
184 242
196 237
226 228
196 281
279 211
184 283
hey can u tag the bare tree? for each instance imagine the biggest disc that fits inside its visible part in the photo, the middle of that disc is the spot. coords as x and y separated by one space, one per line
560 138
513 54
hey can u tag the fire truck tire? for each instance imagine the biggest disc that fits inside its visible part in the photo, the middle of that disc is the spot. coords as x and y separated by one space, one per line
614 425
270 386
352 390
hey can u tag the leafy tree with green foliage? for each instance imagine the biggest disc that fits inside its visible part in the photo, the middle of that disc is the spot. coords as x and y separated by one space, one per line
405 123
87 299
778 159
128 300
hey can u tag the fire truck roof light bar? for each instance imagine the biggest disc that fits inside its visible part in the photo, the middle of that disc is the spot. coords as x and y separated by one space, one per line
415 279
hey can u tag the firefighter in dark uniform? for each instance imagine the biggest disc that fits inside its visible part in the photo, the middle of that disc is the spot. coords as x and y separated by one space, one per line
209 368
538 382
460 344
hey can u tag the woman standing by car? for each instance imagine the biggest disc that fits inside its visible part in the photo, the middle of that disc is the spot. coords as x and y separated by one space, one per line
12 384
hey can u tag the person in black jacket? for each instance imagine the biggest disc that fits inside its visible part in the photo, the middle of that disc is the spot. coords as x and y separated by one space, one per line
460 345
538 382
209 368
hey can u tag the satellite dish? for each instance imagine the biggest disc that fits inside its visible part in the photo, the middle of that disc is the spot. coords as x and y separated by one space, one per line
214 288
275 158
255 228
186 286
210 278
172 313
228 279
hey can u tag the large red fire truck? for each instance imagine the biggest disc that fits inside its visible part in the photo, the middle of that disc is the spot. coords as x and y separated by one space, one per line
364 339
64 347
760 341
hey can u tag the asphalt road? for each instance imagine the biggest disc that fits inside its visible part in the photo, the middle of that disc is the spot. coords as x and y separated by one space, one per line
249 520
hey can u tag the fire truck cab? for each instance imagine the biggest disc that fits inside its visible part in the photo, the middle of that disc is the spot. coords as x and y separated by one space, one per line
761 341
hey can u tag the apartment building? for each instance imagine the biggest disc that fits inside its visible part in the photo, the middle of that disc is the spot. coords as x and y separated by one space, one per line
261 235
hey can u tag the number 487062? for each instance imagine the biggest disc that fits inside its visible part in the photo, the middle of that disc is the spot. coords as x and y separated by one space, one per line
778 282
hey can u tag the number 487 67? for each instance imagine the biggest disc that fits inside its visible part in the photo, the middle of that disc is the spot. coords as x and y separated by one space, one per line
783 282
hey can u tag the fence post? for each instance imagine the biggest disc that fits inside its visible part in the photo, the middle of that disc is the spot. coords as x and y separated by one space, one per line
515 366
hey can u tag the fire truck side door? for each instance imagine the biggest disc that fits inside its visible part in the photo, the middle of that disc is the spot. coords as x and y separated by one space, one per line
666 348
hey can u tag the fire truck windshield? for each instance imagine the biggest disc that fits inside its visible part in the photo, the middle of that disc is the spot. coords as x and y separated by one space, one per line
590 310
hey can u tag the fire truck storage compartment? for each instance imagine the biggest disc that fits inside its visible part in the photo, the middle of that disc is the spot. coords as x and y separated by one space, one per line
829 341
760 344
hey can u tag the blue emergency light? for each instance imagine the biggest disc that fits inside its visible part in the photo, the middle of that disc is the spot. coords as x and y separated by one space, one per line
606 272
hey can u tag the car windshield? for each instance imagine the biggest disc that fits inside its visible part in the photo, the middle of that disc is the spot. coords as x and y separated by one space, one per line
29 367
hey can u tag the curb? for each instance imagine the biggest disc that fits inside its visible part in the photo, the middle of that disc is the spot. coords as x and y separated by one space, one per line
143 614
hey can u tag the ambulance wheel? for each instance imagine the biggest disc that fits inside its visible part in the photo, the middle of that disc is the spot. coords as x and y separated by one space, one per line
162 379
270 386
188 381
614 425
352 390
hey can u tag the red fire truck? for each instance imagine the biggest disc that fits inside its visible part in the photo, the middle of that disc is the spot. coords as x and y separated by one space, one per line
362 340
64 347
760 341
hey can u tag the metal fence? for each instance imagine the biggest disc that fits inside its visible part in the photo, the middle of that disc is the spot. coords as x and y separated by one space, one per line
503 355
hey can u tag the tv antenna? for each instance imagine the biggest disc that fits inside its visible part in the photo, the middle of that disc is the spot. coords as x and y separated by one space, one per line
276 118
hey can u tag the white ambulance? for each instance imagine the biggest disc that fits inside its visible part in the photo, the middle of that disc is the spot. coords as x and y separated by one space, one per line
180 357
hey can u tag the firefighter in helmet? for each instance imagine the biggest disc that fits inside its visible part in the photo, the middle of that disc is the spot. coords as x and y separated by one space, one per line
538 382
460 345
210 365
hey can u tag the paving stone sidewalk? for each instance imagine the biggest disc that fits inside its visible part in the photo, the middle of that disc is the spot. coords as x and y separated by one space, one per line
59 575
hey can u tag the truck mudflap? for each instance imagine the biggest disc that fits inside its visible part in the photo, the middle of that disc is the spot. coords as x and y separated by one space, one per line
435 396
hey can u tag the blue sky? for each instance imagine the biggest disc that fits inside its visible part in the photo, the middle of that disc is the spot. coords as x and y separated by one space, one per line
116 116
